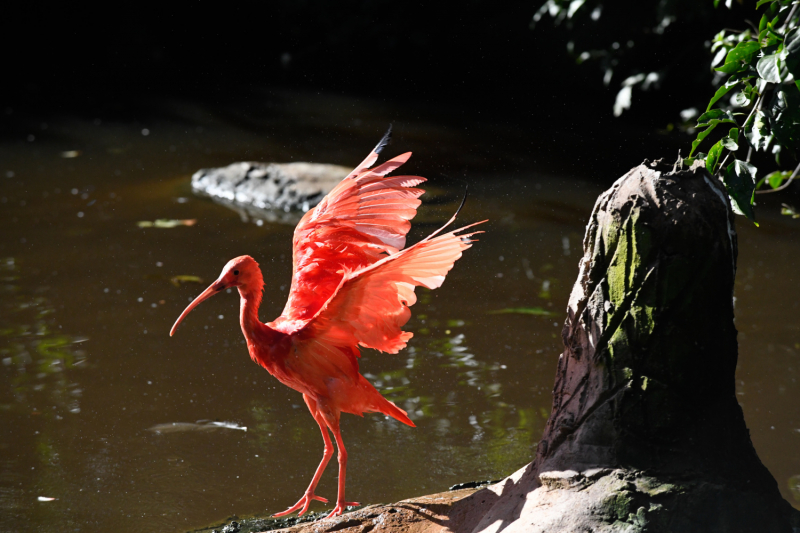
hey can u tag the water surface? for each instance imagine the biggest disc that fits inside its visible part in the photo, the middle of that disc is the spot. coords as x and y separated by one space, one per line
131 430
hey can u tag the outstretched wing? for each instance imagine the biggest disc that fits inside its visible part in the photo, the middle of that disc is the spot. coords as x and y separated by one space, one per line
364 217
370 306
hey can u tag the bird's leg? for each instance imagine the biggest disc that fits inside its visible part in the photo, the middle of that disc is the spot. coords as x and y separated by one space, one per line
333 424
309 495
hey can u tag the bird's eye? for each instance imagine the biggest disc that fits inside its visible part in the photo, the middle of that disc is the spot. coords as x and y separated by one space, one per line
235 272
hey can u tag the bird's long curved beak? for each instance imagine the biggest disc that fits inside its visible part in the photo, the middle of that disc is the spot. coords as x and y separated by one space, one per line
213 289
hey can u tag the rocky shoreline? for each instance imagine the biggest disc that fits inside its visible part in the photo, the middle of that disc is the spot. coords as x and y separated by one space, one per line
452 510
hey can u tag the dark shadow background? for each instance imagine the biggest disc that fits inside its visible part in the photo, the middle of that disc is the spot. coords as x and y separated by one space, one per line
471 58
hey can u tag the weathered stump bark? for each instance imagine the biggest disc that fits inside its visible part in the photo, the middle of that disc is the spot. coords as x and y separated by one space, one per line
645 432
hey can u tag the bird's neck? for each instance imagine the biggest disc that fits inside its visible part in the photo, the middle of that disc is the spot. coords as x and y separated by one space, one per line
248 308
254 330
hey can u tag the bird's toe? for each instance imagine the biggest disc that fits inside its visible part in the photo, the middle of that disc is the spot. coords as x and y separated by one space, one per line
302 504
341 507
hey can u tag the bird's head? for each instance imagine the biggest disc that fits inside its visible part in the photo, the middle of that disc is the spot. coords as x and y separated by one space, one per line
241 271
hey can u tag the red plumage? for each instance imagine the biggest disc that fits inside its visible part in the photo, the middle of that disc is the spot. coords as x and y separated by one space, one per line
352 285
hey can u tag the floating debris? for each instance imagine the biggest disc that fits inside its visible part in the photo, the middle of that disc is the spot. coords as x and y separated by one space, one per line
177 280
538 311
166 223
70 154
200 425
45 499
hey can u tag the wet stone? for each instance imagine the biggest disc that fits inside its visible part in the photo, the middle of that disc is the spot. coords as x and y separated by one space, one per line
275 192
474 484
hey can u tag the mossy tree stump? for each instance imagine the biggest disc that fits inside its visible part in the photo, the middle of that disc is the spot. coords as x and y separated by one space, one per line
645 432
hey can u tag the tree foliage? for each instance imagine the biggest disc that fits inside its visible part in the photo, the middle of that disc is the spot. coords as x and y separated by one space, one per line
756 106
762 66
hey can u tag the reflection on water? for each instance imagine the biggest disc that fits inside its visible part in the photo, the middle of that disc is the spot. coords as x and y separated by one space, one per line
135 431
37 355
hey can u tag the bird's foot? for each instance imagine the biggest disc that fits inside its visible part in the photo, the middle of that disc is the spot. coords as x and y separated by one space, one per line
339 509
304 502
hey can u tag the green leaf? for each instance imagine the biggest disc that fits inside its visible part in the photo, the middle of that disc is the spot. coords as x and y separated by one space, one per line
574 6
792 50
757 132
722 91
775 179
741 99
715 115
742 76
700 136
522 311
713 157
762 2
788 210
784 117
710 120
743 51
740 57
769 68
772 38
739 178
731 142
763 24
710 115
699 156
731 68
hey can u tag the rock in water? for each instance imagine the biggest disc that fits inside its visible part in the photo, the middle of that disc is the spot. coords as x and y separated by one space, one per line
276 192
645 433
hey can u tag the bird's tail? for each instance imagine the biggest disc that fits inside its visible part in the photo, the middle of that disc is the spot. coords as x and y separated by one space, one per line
390 409
378 404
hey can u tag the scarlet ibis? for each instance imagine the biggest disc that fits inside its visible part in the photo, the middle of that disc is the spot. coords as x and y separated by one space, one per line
352 285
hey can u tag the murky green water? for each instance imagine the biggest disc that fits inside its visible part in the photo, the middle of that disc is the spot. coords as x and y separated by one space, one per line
92 383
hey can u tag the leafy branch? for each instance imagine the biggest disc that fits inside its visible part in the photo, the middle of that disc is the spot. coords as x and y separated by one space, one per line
756 106
763 69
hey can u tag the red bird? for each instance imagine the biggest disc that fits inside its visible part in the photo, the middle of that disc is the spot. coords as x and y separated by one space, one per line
352 285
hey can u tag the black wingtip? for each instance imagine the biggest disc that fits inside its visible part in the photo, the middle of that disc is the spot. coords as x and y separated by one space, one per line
384 141
463 201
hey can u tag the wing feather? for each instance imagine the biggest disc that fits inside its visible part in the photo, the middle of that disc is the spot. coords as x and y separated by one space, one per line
364 218
370 306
